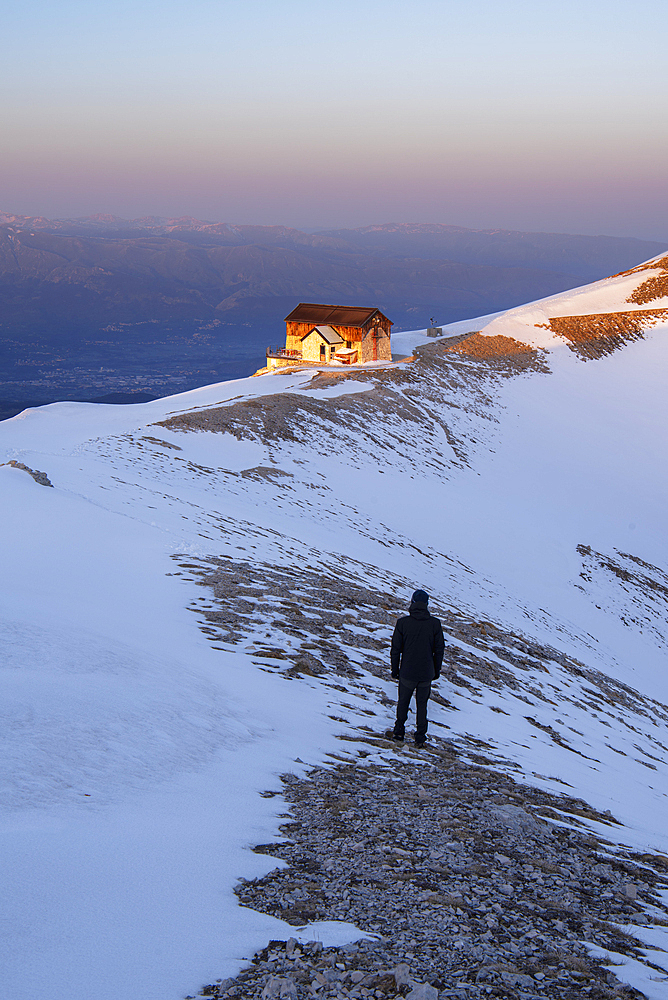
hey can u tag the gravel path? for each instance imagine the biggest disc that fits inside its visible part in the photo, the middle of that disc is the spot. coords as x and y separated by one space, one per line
471 884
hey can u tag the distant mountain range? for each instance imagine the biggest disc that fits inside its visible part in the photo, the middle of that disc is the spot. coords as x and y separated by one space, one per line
103 305
101 269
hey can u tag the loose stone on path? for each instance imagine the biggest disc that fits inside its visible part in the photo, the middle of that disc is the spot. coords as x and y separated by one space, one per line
470 885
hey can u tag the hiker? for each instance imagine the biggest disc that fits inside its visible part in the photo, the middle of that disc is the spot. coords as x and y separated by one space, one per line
416 658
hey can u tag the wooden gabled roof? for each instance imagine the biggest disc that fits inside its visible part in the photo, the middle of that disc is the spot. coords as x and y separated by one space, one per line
325 315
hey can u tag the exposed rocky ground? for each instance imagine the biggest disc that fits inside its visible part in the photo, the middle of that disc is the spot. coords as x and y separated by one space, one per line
472 885
597 335
40 478
444 399
468 883
336 623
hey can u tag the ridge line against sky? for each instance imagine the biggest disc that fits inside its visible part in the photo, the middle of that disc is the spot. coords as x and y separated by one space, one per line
488 114
108 221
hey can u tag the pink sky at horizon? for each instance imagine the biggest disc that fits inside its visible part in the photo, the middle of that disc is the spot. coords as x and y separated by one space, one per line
485 115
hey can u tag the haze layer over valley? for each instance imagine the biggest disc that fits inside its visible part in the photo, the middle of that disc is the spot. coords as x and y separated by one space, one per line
198 597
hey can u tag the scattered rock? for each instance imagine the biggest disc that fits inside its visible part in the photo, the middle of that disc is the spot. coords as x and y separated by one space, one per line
469 892
401 975
40 478
290 947
423 991
278 987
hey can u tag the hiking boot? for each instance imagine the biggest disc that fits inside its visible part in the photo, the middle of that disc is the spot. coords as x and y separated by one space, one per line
391 735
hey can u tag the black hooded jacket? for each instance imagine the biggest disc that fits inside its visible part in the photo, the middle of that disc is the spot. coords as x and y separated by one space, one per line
417 646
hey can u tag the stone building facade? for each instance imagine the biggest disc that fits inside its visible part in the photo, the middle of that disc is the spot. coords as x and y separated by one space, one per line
333 335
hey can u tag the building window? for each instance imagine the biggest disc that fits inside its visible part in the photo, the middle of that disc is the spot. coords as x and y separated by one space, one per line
322 350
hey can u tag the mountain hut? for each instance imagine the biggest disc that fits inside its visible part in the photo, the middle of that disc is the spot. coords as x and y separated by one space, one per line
333 335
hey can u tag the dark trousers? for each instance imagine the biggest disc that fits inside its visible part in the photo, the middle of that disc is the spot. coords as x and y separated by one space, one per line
422 692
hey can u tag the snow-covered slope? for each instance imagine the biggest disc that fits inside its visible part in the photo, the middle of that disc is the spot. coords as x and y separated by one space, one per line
632 301
209 586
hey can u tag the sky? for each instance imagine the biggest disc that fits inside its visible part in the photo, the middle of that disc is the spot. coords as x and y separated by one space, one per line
479 113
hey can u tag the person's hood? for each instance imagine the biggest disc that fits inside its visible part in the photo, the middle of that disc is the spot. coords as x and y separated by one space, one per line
419 610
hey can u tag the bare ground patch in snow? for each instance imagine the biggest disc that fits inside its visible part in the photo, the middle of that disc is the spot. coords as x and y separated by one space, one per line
595 336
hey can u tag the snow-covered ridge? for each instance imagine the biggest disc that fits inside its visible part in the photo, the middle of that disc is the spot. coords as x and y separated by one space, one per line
641 290
207 591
